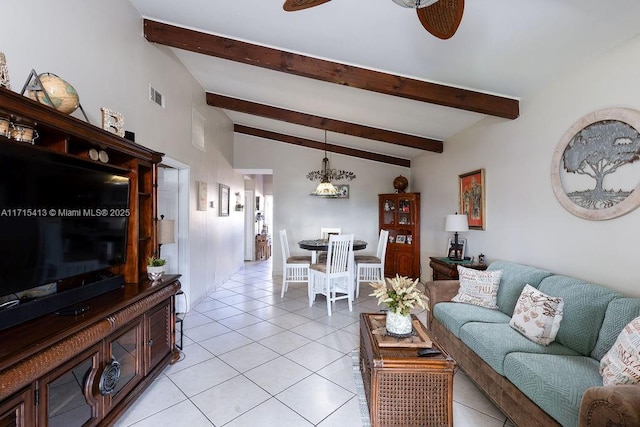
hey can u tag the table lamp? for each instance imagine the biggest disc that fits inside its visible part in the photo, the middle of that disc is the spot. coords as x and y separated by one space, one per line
166 232
456 223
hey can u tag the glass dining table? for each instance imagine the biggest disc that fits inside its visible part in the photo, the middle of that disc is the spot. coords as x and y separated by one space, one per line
322 245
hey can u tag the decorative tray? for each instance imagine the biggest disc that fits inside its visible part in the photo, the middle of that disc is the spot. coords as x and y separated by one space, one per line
419 339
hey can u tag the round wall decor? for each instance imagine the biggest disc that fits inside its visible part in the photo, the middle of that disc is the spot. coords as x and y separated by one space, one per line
595 172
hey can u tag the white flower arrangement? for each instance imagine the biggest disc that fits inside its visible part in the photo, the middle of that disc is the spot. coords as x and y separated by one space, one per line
400 294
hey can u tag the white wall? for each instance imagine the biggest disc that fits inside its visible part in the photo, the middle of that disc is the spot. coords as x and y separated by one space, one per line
525 222
302 215
98 47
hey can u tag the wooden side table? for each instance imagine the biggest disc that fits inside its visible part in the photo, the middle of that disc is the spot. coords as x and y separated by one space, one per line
403 389
263 247
446 269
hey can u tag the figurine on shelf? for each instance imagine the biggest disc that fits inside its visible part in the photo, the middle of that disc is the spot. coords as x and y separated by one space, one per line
481 260
4 72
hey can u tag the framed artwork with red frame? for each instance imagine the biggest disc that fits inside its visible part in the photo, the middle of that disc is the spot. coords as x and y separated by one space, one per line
472 198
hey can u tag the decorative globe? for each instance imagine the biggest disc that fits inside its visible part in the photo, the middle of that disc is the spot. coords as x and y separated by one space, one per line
63 96
400 183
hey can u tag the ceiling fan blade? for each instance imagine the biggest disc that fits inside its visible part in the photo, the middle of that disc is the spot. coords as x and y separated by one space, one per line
294 5
442 18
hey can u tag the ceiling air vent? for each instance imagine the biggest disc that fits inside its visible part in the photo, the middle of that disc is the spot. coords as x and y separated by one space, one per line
155 96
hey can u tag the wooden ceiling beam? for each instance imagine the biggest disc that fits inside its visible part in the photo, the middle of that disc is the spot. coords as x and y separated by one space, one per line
261 133
328 71
338 126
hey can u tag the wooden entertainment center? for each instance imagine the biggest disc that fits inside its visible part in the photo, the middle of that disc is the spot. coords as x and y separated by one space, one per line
87 365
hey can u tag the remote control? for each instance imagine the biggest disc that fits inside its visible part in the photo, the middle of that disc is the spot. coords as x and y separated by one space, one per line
427 352
73 311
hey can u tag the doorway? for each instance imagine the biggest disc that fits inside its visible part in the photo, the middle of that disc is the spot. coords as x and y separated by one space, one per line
249 226
173 203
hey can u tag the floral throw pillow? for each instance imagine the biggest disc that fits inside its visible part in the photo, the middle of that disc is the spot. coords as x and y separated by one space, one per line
621 364
478 287
537 315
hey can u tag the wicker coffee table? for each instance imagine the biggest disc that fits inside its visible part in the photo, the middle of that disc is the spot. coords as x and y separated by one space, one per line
403 389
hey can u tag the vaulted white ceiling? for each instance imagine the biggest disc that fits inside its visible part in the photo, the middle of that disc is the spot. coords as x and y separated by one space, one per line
509 48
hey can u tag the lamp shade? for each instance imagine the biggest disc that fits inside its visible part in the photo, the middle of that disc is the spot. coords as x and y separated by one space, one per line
166 231
325 189
457 223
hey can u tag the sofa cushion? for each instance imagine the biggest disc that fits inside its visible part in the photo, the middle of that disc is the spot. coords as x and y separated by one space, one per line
621 364
537 316
478 287
556 383
514 277
453 315
493 341
585 305
619 313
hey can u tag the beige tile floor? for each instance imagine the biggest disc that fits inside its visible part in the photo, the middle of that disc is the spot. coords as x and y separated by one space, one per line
251 358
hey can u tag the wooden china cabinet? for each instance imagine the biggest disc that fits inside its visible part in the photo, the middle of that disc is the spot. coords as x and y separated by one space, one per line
400 214
86 367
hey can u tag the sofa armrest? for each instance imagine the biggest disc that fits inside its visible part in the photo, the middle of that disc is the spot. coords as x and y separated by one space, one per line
440 291
617 405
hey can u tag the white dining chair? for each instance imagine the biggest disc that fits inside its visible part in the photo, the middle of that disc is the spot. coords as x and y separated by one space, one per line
336 275
294 268
370 268
325 232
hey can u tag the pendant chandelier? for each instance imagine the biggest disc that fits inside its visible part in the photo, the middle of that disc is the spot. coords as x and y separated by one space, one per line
326 175
415 4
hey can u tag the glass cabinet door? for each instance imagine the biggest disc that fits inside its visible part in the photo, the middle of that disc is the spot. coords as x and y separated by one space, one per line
16 411
389 211
67 392
404 212
123 365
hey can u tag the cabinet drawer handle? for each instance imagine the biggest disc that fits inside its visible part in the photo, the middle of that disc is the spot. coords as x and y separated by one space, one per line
150 342
109 378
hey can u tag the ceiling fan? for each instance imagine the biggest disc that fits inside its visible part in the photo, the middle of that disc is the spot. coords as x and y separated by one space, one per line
439 17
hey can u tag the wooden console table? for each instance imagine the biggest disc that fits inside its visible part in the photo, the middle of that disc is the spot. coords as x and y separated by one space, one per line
110 353
446 269
403 389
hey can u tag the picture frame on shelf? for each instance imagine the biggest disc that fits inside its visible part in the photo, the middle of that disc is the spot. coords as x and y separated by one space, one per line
401 238
451 249
223 201
471 198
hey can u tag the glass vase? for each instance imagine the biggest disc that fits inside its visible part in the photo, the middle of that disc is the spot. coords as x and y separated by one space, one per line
398 324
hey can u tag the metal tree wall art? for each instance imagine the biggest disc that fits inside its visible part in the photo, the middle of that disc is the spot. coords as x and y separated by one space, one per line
598 150
593 171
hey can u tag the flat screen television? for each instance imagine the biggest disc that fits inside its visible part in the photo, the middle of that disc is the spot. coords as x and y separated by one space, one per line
60 217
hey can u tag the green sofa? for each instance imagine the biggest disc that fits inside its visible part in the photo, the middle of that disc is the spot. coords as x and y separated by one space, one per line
536 385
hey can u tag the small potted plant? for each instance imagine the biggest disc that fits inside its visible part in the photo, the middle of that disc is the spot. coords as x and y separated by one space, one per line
155 267
400 294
